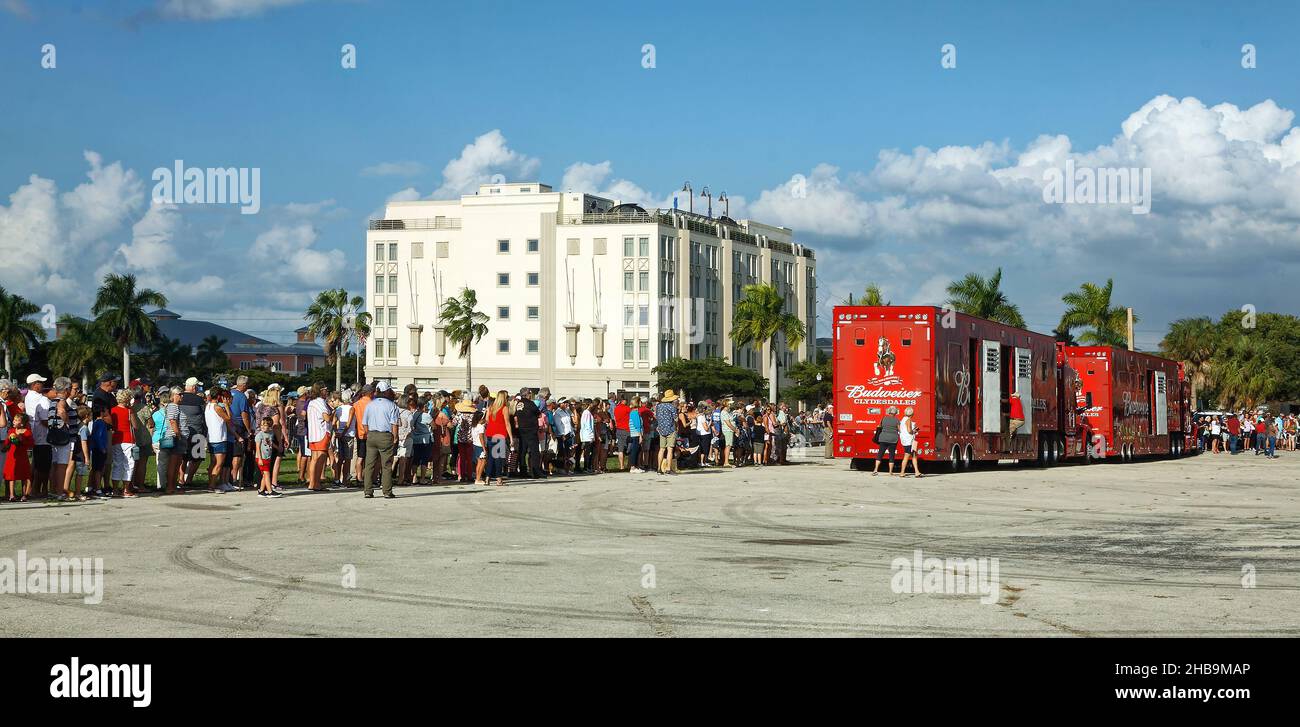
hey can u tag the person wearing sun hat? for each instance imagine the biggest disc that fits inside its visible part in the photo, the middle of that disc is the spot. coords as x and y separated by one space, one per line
666 425
463 434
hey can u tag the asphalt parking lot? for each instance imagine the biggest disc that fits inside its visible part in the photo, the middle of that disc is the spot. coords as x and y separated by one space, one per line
1201 546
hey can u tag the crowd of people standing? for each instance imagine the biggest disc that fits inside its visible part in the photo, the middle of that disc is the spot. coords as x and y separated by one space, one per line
59 442
1260 432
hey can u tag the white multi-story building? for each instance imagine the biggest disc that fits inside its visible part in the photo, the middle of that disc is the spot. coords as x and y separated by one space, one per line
584 295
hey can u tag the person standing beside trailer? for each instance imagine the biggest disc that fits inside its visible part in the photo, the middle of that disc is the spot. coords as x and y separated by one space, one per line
907 431
887 438
1216 431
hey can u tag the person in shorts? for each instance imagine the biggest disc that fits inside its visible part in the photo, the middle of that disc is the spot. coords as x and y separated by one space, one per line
264 451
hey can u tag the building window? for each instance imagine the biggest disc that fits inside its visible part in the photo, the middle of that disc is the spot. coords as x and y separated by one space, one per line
534 279
379 252
503 312
417 250
534 246
503 345
627 348
379 285
574 246
443 249
392 316
392 348
503 280
379 316
628 315
643 315
534 312
532 345
598 246
503 246
628 247
644 244
392 251
643 350
392 284
643 281
627 282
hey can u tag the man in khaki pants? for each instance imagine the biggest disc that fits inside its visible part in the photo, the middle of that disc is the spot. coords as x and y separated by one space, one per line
380 421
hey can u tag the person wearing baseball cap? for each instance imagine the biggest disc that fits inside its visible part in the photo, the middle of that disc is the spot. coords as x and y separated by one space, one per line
37 406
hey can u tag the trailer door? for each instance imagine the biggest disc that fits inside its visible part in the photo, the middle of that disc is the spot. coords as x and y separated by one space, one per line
1025 384
1161 409
991 386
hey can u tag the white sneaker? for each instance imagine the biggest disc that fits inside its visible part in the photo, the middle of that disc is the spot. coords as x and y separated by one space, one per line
636 470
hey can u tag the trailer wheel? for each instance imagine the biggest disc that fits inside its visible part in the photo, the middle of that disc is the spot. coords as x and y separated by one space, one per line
1058 449
968 458
954 458
1043 458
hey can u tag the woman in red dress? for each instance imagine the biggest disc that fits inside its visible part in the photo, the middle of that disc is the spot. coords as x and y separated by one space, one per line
18 468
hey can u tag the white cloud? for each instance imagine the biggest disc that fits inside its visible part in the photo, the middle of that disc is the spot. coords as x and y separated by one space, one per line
102 205
291 246
1226 180
486 156
151 239
29 231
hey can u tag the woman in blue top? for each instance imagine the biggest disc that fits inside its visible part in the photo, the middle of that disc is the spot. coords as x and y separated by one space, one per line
634 429
666 416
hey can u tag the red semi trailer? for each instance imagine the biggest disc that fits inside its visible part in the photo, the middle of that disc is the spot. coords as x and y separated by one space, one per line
1137 402
957 372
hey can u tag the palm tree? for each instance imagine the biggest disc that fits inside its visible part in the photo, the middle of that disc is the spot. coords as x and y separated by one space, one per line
872 296
1249 372
170 356
328 317
760 317
119 310
210 353
465 326
360 333
1191 341
81 347
1090 307
18 333
983 298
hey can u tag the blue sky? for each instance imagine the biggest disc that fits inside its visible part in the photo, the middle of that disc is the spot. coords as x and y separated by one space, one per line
743 96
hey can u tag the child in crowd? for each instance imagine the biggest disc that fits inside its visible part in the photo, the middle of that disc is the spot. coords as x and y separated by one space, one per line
480 447
18 468
82 454
265 448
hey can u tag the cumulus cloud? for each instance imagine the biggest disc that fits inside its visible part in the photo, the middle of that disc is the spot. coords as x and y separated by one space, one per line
480 161
151 239
102 205
1224 180
292 246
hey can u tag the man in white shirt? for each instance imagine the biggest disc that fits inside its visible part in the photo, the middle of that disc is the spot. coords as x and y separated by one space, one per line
37 406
